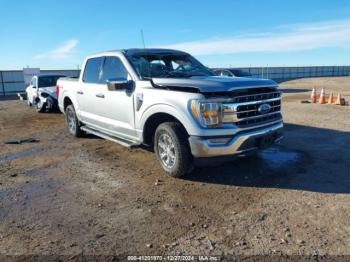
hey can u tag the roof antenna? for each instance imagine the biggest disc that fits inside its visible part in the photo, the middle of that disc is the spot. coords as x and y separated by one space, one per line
143 39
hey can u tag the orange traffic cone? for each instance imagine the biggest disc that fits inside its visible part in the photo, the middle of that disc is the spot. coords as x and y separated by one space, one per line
322 97
313 95
331 99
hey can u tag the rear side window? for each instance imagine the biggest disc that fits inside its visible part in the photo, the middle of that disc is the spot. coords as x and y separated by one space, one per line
92 71
47 81
113 68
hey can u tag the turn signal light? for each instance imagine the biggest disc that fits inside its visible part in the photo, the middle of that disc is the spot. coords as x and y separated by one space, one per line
208 114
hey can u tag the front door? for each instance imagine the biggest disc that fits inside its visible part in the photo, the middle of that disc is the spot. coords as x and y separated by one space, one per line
117 106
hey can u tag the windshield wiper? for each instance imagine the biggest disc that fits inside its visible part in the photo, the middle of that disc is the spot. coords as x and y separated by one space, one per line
178 74
175 74
198 74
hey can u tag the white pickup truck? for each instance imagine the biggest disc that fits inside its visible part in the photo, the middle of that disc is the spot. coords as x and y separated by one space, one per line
168 100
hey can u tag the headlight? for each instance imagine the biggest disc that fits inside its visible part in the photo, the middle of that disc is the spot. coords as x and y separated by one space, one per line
208 114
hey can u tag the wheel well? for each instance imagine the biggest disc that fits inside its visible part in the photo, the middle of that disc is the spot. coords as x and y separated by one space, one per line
66 102
153 122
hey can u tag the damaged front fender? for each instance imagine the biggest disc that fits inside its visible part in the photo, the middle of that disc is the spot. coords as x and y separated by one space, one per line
46 100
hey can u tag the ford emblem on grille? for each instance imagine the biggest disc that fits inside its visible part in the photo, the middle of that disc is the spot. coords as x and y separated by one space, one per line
264 108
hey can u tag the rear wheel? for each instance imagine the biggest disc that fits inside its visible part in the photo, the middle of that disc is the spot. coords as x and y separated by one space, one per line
172 149
73 123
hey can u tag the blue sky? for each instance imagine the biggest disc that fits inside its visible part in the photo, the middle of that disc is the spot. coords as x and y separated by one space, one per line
58 34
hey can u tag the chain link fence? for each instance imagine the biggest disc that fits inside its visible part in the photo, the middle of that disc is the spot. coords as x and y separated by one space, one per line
280 74
12 82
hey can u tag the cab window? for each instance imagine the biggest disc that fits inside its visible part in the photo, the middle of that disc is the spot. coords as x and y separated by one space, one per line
92 71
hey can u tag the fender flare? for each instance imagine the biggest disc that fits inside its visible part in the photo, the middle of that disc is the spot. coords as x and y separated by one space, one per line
66 94
183 117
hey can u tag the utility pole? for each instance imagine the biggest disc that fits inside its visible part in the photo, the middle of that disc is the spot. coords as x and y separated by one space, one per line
267 71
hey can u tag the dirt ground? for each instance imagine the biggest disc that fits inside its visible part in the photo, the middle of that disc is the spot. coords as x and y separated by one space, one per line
88 196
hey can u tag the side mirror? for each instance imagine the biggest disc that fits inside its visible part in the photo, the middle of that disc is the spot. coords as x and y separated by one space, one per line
118 84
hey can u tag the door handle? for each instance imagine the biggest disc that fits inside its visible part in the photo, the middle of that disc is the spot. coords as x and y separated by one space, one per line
100 95
80 92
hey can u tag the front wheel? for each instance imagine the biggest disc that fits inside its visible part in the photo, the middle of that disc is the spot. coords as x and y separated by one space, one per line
172 149
40 106
73 122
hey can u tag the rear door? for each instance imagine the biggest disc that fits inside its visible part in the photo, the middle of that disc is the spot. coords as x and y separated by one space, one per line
91 85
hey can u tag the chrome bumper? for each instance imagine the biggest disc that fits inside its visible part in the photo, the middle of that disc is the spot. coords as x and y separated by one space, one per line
237 144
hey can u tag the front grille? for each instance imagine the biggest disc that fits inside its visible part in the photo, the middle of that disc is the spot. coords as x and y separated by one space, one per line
243 110
256 97
252 110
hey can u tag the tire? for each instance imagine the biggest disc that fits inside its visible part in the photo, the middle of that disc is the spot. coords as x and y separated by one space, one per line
40 107
172 149
73 123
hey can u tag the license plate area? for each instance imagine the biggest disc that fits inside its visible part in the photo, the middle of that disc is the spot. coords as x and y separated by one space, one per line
266 140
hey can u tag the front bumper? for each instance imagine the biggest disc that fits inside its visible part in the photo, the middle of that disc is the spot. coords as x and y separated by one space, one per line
238 144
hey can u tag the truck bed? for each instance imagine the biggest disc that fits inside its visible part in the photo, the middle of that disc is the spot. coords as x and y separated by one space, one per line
72 79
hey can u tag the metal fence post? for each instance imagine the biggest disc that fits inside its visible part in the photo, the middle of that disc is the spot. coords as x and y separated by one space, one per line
267 71
2 83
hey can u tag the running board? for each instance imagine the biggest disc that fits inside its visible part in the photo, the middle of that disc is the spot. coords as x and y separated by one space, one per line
121 141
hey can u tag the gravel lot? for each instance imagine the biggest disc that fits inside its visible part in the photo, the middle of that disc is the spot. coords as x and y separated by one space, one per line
88 196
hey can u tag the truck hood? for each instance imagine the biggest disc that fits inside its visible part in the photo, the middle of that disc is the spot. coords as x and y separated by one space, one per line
210 84
50 90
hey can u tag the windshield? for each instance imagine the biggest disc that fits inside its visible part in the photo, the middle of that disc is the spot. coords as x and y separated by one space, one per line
46 81
167 66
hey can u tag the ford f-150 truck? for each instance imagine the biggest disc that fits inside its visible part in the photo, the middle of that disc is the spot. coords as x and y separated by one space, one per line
168 100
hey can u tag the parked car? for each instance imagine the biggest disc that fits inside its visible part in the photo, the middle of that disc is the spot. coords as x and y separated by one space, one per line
168 100
41 92
232 73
